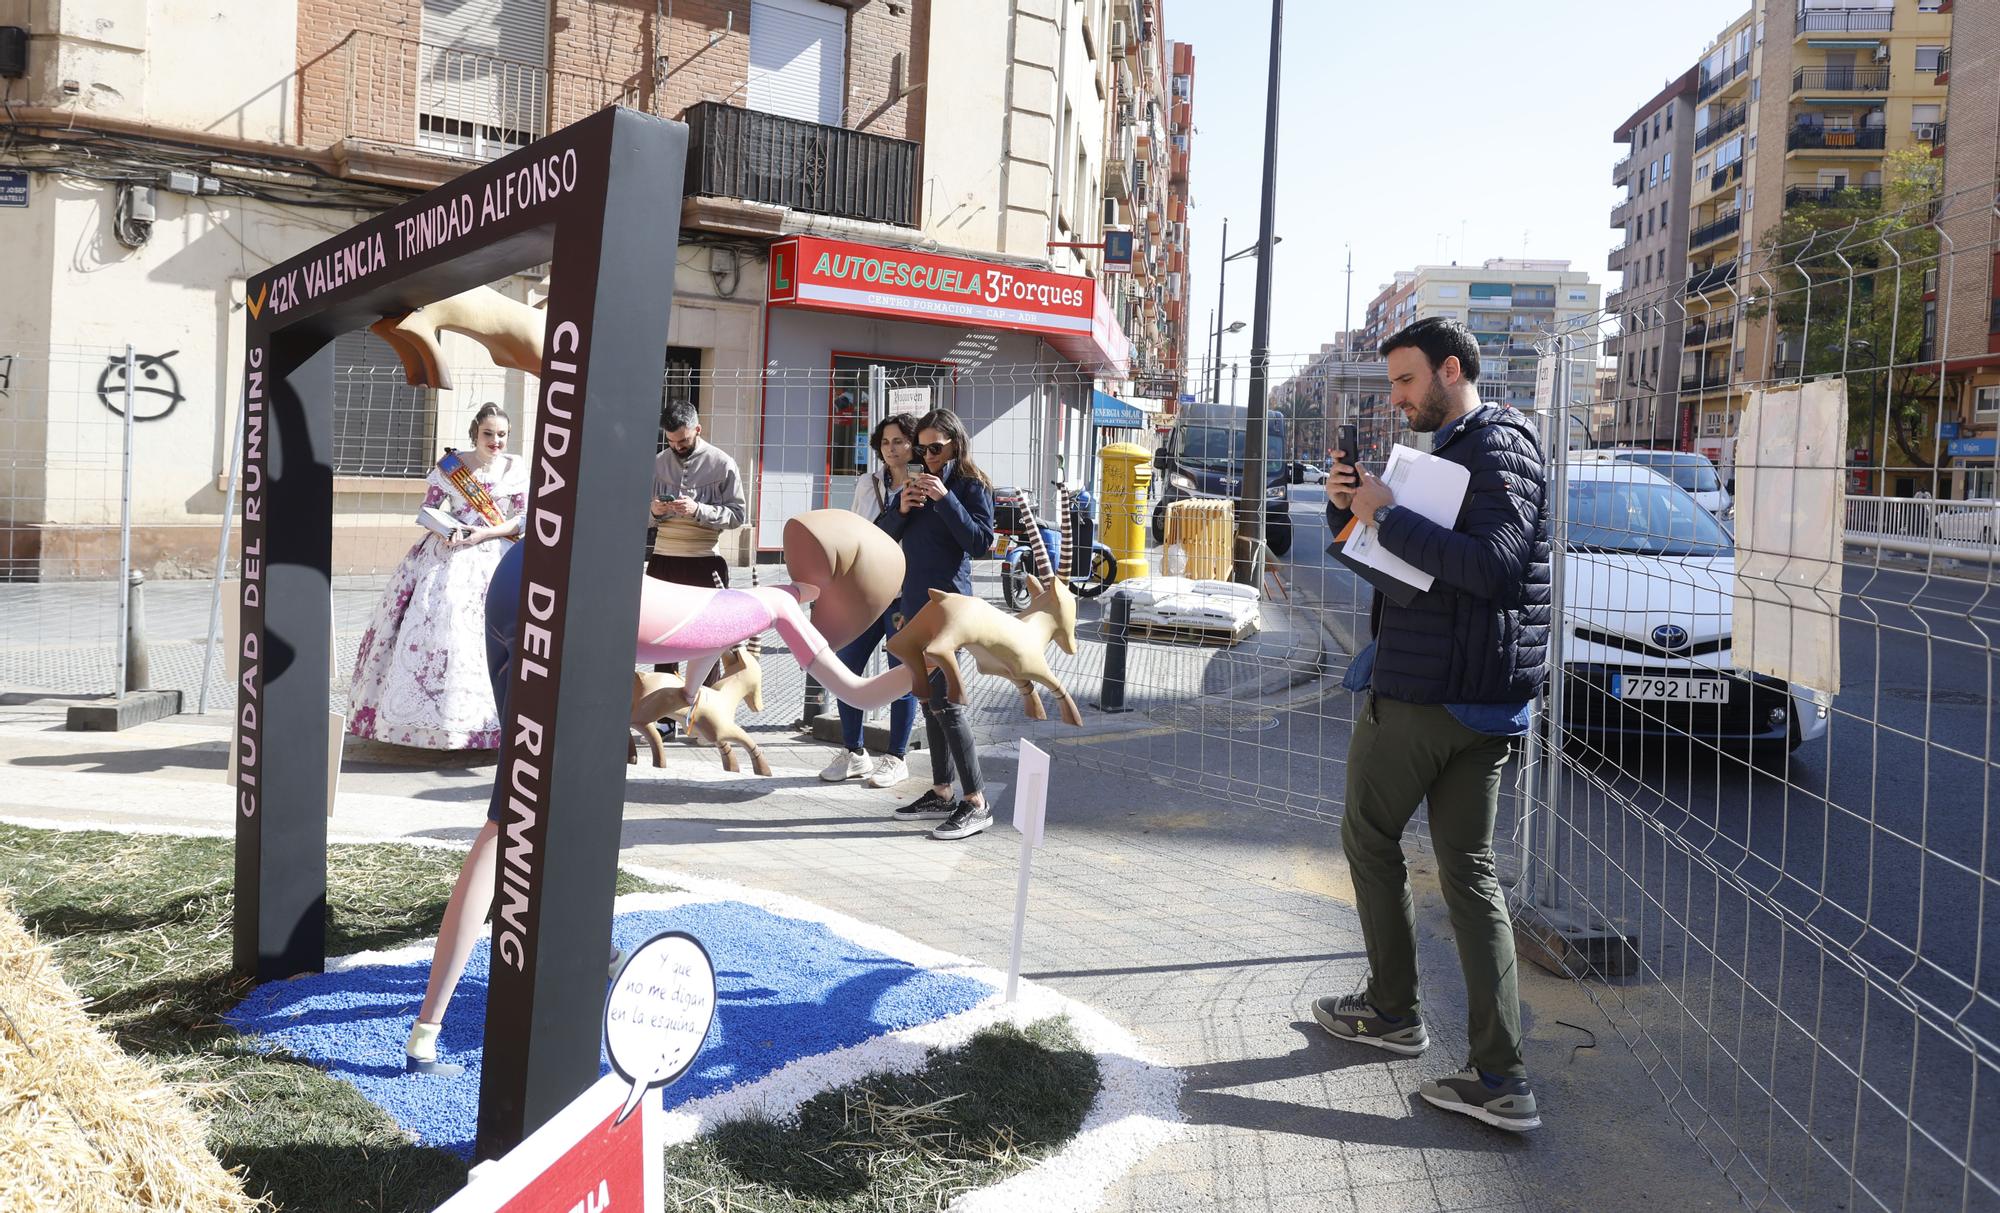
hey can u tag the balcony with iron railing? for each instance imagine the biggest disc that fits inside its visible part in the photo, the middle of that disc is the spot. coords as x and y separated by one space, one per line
1709 233
1836 139
1840 80
1725 176
1937 139
806 166
1713 377
1845 196
1711 85
1812 20
1714 276
1943 66
1719 127
1621 170
1703 331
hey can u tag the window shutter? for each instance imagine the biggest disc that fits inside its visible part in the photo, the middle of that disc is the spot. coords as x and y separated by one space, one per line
798 60
483 80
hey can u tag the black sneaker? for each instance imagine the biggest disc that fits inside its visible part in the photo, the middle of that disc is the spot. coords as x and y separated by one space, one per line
1508 1105
930 804
965 821
1355 1018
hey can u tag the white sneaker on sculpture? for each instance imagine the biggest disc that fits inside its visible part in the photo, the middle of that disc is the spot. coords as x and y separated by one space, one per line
889 772
847 764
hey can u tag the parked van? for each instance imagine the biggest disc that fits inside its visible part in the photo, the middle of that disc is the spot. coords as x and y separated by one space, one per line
1203 458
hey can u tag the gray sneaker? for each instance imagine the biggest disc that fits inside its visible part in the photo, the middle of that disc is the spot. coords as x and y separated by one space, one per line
1354 1018
965 821
1510 1106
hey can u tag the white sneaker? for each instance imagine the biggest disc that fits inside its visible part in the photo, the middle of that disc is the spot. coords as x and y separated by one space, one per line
889 772
847 765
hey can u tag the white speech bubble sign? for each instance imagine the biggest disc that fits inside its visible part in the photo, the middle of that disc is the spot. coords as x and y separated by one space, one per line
658 1013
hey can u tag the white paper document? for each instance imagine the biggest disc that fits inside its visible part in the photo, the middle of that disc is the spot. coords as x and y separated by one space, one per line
1432 487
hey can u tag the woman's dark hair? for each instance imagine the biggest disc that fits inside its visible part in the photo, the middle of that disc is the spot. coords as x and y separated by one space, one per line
906 422
946 422
1439 337
485 411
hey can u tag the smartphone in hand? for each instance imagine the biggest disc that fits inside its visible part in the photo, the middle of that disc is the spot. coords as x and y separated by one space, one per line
1350 446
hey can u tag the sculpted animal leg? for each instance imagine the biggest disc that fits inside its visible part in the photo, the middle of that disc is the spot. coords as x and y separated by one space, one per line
758 762
1070 714
1031 703
654 743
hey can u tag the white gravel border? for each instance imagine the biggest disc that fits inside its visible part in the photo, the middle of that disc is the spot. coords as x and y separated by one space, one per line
1137 1108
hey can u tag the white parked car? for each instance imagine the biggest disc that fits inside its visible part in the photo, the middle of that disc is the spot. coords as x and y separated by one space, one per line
1648 589
1975 520
1690 470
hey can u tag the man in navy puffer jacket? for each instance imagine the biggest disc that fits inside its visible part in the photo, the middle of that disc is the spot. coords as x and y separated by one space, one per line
1447 683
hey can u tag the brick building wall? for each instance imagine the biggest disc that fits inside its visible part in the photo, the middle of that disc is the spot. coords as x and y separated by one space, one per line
1971 165
359 66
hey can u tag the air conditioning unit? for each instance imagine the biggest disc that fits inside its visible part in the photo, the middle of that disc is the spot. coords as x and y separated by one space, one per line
1924 131
1111 212
1882 53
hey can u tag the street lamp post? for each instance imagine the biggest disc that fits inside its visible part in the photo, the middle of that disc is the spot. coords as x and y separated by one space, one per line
1252 492
1221 283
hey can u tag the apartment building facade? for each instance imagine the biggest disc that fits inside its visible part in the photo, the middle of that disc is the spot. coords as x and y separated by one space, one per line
1651 256
1721 239
1148 141
1964 307
825 137
1510 304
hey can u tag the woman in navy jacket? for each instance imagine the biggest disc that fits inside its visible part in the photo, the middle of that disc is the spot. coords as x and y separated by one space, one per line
943 518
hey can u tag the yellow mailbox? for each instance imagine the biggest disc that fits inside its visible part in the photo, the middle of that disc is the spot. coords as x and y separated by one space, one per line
1128 484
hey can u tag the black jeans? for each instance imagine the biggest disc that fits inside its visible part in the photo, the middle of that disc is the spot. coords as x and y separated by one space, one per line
950 736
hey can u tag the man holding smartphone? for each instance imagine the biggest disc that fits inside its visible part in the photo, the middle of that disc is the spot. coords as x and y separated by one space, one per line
1447 683
697 495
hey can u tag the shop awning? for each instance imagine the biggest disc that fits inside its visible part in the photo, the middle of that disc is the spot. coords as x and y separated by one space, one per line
1066 310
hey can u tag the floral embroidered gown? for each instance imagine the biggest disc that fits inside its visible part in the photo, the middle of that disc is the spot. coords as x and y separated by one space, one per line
420 679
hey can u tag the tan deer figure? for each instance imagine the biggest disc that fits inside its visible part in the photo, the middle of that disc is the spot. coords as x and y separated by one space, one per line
713 718
510 330
1012 647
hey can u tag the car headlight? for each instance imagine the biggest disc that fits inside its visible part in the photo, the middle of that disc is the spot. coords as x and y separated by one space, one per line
1274 494
1181 481
1729 515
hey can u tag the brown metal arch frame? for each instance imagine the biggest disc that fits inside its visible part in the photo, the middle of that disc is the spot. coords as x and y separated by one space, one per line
600 202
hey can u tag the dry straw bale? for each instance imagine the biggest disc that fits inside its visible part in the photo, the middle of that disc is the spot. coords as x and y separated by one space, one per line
84 1126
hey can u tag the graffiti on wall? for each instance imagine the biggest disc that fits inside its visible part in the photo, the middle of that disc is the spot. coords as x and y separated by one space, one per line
6 374
155 392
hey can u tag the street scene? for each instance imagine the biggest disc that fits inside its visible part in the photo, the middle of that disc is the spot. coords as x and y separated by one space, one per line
1097 711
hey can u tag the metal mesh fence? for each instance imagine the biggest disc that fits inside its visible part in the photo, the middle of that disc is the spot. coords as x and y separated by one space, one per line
1764 775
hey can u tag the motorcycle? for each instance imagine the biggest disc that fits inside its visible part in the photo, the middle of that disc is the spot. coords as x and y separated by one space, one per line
1014 514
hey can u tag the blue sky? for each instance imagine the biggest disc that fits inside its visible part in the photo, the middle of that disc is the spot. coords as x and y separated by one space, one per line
1403 122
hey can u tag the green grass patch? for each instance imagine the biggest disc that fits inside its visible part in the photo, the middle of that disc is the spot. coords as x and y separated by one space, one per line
892 1143
140 925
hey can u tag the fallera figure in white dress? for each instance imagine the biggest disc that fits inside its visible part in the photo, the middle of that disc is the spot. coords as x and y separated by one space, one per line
420 679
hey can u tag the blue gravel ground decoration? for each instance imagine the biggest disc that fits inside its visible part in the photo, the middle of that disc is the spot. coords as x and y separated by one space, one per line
785 989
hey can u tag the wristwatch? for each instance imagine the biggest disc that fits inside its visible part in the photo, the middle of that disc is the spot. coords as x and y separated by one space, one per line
1382 514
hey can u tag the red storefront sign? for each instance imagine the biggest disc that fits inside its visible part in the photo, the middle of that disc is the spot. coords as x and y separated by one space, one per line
815 273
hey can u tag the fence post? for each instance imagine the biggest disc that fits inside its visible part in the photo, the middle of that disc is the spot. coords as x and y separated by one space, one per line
125 527
1117 636
138 666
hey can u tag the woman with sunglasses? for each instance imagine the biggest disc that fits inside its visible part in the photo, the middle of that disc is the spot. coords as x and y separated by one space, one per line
894 442
943 518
